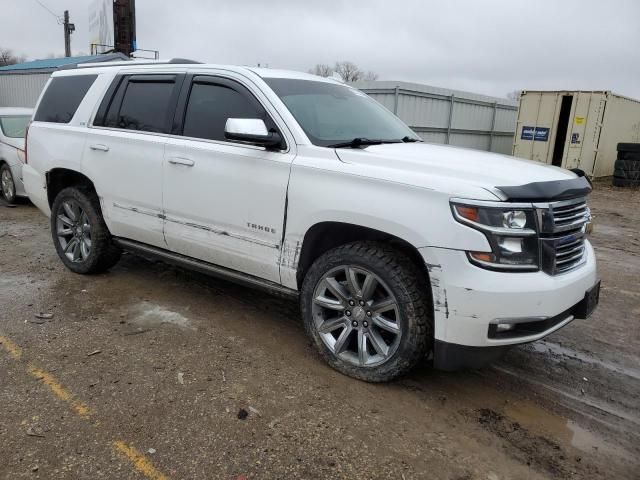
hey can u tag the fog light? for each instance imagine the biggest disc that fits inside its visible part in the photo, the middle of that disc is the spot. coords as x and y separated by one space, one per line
505 327
510 244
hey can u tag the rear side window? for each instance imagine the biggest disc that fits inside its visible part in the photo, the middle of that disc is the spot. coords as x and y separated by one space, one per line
62 98
145 106
209 107
139 102
14 126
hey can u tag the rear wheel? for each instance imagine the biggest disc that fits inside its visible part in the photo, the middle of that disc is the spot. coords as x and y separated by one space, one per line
81 237
7 183
368 311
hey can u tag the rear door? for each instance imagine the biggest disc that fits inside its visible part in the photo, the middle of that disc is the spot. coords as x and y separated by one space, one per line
124 153
224 202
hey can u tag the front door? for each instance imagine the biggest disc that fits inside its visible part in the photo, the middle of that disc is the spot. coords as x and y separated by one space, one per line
224 202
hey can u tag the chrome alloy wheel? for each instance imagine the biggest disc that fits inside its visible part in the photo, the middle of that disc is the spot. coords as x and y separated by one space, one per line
7 184
74 231
357 316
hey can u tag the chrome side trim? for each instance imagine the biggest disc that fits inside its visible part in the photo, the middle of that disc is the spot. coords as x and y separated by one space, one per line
222 232
142 211
205 267
158 214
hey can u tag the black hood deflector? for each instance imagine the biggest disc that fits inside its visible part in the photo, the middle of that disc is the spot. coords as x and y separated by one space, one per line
548 191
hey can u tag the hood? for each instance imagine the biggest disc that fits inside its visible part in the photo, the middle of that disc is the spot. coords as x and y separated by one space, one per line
458 171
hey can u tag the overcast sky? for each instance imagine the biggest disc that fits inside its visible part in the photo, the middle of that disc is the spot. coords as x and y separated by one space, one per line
488 46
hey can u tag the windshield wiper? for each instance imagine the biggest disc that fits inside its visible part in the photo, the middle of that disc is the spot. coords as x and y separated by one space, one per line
409 139
361 142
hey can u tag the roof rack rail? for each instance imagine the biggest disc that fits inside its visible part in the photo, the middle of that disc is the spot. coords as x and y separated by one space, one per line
173 61
116 64
183 60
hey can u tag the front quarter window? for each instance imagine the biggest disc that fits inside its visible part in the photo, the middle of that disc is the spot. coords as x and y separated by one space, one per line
331 113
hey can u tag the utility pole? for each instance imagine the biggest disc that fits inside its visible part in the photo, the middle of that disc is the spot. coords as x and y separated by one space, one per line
69 28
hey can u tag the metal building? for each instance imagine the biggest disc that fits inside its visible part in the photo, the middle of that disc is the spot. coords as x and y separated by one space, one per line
21 84
576 129
440 115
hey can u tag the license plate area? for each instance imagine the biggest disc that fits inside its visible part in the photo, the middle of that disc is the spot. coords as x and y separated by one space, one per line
588 304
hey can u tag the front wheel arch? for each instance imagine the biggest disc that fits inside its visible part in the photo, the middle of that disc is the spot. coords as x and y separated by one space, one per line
323 236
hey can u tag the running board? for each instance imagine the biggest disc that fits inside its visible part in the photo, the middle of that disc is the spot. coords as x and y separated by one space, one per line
204 267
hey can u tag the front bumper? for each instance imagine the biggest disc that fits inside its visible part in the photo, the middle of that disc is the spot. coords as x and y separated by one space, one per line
468 299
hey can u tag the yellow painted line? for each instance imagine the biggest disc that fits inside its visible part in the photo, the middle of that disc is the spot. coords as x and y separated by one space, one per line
139 461
13 350
59 391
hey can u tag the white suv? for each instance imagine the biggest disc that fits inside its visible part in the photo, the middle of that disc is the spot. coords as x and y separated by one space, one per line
398 250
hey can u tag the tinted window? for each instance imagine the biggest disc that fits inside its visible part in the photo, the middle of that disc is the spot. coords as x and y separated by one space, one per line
209 107
145 106
14 126
62 98
331 113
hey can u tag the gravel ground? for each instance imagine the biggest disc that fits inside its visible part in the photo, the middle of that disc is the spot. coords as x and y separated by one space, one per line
150 371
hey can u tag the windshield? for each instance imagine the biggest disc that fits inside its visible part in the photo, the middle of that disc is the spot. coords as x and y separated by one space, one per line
331 114
14 126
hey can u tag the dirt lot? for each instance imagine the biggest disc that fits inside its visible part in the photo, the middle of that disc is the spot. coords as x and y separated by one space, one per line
150 371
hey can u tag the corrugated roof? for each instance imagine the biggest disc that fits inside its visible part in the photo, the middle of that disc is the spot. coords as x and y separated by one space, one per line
54 63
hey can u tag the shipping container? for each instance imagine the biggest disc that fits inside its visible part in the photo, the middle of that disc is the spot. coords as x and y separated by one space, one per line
441 115
575 129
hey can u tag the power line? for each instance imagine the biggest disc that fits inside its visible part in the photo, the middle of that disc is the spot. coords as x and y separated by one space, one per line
58 17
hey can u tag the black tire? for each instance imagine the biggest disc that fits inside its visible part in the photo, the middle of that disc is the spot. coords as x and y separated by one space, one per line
628 165
625 182
103 253
628 147
403 280
633 175
9 194
632 156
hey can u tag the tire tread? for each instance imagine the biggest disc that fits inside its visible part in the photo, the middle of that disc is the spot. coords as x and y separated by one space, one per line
416 299
105 253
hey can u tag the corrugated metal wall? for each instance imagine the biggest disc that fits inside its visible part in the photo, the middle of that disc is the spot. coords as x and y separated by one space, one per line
453 117
21 90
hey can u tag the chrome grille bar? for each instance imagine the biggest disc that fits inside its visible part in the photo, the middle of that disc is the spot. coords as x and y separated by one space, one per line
562 231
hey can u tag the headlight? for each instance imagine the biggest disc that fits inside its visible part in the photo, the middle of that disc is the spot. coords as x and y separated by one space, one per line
511 232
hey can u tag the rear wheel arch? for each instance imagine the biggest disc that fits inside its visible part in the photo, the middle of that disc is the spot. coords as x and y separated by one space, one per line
60 178
324 236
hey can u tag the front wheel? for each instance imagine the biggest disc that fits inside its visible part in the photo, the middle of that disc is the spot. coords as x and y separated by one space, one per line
367 308
81 237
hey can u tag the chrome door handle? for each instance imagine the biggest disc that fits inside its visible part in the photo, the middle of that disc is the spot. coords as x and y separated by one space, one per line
182 161
100 147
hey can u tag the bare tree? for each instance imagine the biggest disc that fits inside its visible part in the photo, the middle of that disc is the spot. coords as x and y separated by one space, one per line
513 95
321 70
8 58
349 71
370 76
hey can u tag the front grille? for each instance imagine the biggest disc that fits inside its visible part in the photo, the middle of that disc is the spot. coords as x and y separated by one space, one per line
562 231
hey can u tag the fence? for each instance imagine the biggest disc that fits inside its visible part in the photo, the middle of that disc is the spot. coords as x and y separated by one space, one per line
447 116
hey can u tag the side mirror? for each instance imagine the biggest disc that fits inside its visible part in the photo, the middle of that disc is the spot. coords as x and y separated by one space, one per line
252 131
